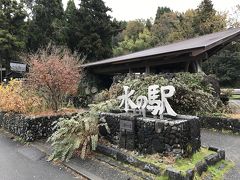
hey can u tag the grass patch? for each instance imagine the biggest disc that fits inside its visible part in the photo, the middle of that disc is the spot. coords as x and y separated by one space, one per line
235 96
182 164
162 178
135 170
155 159
185 164
216 172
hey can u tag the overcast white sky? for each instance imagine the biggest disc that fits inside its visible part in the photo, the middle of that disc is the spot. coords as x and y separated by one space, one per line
138 9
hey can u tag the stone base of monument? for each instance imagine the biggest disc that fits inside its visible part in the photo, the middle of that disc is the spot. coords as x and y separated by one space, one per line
149 135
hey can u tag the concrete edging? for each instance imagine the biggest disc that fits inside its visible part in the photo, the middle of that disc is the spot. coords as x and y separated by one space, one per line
173 174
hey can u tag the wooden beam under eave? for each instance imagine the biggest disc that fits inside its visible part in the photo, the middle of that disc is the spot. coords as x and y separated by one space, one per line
197 52
147 70
124 68
187 64
130 71
224 42
199 66
215 50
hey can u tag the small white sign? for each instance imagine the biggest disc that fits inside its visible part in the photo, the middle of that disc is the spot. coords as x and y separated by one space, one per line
18 67
2 69
152 103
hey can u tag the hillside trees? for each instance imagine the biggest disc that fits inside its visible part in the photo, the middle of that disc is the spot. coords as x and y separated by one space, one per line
135 37
94 30
225 65
143 41
170 26
87 29
161 11
46 24
133 29
167 28
207 19
90 31
12 31
71 24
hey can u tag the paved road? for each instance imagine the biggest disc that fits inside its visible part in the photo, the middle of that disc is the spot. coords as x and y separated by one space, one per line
231 144
235 106
236 91
19 162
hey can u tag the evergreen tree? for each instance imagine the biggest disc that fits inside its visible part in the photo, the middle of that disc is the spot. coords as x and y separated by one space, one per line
187 21
225 65
207 19
148 24
47 24
12 31
118 27
129 45
94 30
71 23
133 29
161 11
168 28
205 10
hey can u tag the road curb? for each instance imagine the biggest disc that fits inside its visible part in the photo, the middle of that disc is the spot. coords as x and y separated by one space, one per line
83 173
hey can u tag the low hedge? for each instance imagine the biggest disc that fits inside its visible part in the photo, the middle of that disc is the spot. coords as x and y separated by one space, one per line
196 94
220 123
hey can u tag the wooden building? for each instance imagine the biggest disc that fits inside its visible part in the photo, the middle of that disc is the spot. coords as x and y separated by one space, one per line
2 72
183 56
17 71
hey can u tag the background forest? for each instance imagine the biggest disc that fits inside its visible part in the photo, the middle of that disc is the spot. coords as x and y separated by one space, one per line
27 25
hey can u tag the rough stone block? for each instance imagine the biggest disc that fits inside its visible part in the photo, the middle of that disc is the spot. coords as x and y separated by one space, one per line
29 128
211 148
179 133
152 169
111 152
174 174
220 123
221 154
212 159
189 174
201 167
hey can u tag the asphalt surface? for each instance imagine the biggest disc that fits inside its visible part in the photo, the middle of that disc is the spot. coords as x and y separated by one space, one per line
18 162
236 91
230 143
235 106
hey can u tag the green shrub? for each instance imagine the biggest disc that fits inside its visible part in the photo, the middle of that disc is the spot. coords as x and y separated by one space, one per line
193 95
78 134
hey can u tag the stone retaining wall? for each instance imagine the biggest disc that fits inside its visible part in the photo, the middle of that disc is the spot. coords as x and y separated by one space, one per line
221 124
28 128
149 135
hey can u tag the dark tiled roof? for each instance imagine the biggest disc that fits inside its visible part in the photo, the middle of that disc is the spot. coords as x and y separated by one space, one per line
205 42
